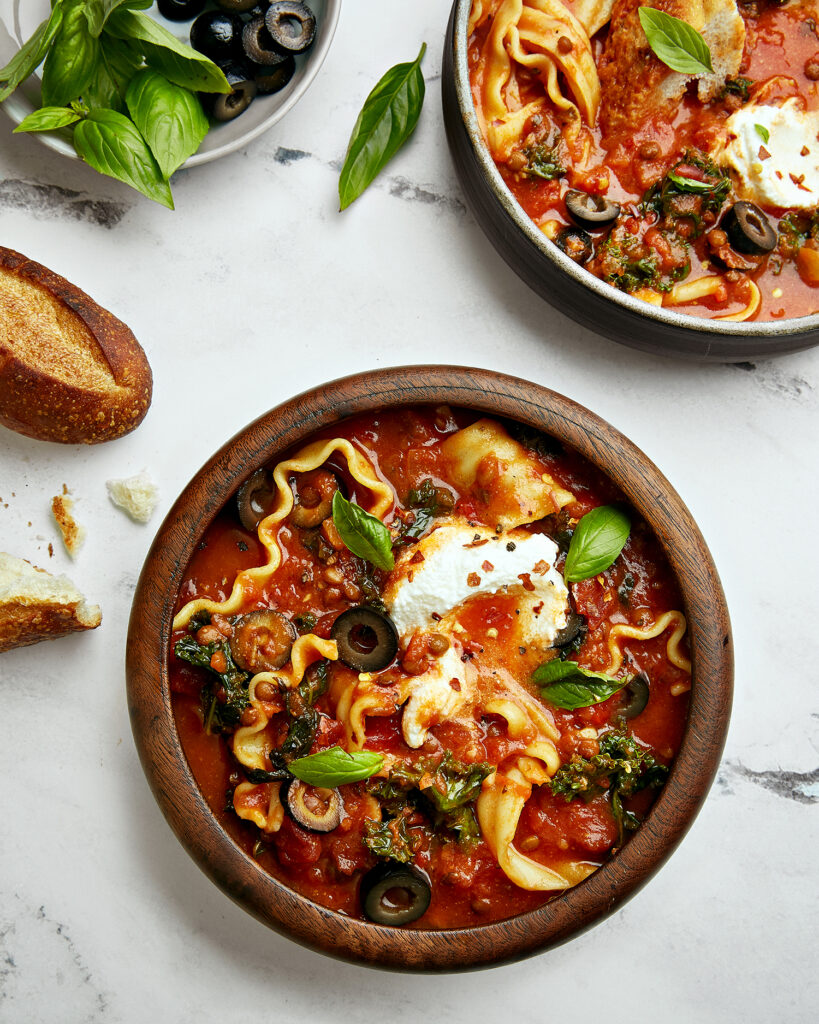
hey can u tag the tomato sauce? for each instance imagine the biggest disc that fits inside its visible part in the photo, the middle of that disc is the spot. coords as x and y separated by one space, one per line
468 886
781 46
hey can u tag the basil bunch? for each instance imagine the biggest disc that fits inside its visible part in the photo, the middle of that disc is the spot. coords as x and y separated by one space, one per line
677 44
124 84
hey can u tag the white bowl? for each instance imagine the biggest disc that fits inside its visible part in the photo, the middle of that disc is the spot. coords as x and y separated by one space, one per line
20 18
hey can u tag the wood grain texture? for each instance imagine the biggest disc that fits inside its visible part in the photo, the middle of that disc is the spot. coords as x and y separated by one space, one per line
568 287
271 901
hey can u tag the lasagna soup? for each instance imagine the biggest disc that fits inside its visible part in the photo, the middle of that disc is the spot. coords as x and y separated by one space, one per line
697 188
429 669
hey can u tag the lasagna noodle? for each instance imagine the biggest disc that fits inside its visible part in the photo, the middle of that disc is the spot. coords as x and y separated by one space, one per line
673 652
251 743
526 33
249 801
499 807
310 457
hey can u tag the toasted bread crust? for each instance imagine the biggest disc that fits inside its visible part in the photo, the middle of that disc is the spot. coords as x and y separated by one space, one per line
25 624
36 402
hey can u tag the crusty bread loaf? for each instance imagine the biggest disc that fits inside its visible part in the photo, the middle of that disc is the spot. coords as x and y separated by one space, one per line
70 371
34 605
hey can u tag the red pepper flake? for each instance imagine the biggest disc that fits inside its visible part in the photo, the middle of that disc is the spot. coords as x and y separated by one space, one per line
455 684
473 580
410 576
487 566
538 608
779 175
542 567
417 557
798 181
436 616
804 151
526 580
764 154
477 541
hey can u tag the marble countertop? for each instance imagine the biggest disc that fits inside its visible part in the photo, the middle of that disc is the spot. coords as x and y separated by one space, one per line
253 290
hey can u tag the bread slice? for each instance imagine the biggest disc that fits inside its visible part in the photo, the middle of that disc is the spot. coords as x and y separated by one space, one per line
34 605
70 371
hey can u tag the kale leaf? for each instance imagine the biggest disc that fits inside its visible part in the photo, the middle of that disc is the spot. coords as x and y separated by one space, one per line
678 196
390 839
543 161
219 715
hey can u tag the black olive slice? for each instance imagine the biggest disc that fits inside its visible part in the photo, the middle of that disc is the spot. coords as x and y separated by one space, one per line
588 211
291 25
218 35
637 694
227 106
254 499
258 45
180 10
262 641
314 808
395 894
273 79
577 244
314 498
575 624
367 640
748 229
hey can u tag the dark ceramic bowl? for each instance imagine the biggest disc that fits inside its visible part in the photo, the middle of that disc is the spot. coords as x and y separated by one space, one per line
555 277
237 874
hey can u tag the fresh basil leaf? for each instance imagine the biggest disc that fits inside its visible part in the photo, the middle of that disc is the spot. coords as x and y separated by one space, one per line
31 54
566 685
694 185
118 64
112 145
334 767
762 132
387 119
362 533
678 45
179 63
98 11
71 61
169 117
47 119
597 540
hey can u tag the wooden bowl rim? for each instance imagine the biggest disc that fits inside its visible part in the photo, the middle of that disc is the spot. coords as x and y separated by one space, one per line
166 766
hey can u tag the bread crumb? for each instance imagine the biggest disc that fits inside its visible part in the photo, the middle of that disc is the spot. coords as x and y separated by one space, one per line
50 550
73 534
137 496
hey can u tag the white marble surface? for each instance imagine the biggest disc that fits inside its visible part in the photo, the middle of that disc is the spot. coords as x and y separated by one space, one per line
255 289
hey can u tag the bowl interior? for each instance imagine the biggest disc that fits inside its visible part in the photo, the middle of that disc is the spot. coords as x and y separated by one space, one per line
20 18
544 266
239 875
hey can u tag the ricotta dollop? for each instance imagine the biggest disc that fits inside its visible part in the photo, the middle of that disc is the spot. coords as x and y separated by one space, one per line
782 170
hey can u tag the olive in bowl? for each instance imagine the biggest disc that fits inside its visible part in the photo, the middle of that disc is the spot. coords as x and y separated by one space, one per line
258 851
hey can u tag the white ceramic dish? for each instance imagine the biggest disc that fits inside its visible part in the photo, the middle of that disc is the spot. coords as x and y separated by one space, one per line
19 19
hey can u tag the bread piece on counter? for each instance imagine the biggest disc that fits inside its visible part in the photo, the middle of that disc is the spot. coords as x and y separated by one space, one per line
73 534
34 605
136 495
70 371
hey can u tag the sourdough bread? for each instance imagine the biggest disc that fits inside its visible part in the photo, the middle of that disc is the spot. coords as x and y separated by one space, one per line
70 371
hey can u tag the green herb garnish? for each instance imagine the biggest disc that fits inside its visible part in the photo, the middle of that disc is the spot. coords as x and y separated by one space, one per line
762 132
335 767
678 45
362 533
387 119
565 684
596 542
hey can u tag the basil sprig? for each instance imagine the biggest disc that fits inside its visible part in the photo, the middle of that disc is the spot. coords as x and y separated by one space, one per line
597 540
362 533
566 685
334 767
387 119
123 85
694 185
678 45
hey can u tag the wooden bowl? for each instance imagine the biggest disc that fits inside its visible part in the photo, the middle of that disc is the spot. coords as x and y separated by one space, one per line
571 288
239 875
